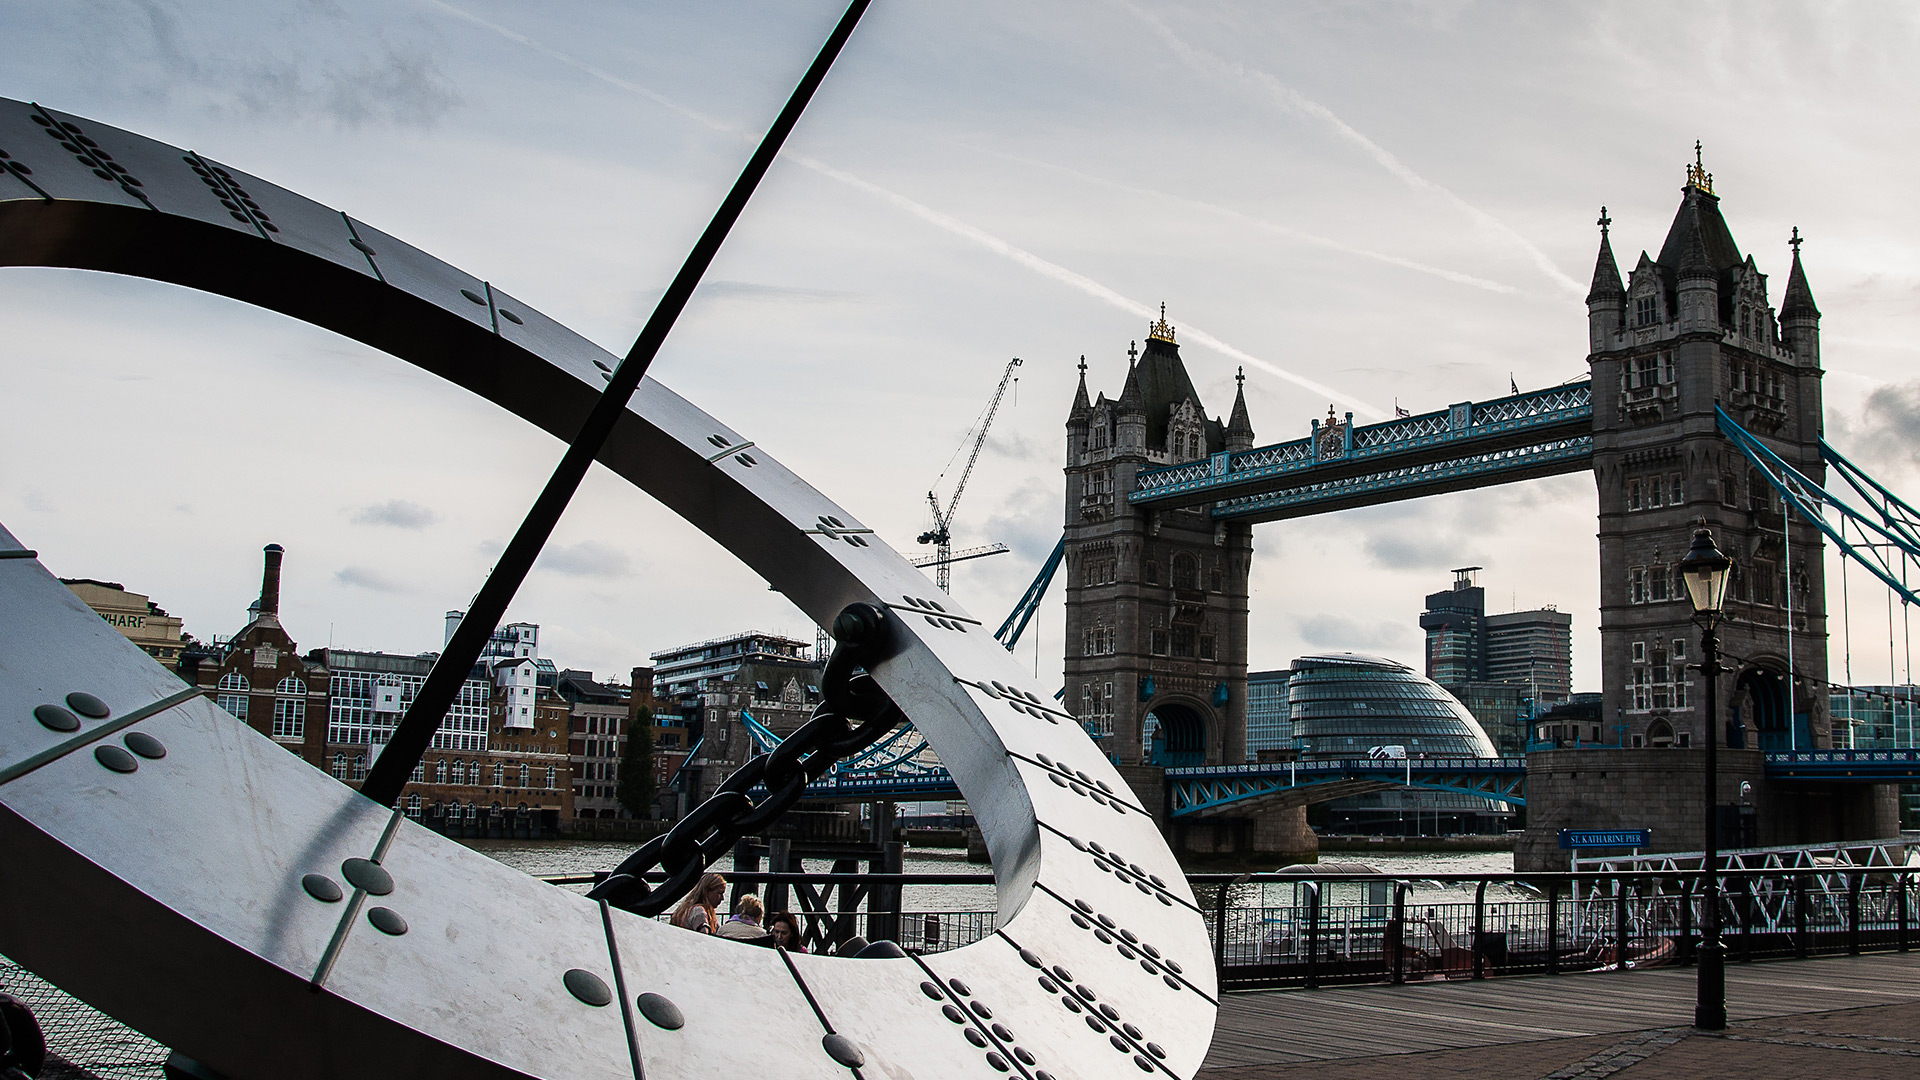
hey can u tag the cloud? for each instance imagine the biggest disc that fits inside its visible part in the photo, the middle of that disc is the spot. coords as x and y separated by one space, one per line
362 577
588 558
1352 635
399 513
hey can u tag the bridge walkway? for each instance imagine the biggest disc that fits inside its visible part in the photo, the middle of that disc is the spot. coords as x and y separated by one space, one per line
1592 1024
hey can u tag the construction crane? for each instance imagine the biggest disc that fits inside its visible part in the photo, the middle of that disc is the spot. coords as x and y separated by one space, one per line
961 556
941 535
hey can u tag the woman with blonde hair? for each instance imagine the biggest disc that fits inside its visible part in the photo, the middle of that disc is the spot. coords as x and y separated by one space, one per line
699 911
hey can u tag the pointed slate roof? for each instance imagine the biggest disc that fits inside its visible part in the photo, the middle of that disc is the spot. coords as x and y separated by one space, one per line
1238 423
1698 224
1158 382
1606 274
1798 299
1082 408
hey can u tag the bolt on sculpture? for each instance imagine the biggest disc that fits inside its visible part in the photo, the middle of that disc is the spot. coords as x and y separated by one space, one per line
182 873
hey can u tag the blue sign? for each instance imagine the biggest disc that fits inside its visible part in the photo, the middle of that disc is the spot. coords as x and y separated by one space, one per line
1593 838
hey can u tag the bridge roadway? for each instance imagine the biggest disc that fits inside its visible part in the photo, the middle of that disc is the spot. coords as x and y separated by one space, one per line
1221 790
1467 445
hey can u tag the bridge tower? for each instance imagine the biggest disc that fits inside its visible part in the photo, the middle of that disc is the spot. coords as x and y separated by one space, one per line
1156 599
1689 329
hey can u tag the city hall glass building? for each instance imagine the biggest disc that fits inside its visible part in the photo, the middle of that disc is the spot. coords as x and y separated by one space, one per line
1345 704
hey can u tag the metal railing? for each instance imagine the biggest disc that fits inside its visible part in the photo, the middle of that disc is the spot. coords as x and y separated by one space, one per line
1305 930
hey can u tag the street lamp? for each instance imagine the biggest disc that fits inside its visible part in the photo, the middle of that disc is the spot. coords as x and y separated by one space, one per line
1704 569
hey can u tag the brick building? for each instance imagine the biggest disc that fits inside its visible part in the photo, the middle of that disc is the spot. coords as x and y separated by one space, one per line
260 677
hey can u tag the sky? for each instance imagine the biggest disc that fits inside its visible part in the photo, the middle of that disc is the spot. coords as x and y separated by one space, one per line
1361 204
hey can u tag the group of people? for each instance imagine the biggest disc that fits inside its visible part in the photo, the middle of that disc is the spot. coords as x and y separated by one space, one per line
700 912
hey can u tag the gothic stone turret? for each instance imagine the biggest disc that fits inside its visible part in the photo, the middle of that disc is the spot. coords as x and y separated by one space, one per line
1689 329
1156 600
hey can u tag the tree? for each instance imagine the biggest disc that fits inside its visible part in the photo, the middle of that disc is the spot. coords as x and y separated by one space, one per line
634 788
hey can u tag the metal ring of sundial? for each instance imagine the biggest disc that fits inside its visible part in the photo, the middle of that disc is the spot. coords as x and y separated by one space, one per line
179 895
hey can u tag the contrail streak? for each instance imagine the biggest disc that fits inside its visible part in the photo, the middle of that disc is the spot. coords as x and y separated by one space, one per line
1275 227
1293 101
945 222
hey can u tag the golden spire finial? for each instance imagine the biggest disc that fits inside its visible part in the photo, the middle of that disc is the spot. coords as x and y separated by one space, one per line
1160 331
1697 174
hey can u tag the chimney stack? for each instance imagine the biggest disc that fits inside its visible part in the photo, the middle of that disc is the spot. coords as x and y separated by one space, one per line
270 581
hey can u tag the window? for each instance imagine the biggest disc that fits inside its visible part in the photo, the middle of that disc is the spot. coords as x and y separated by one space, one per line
1763 582
413 805
1653 488
1153 573
1213 579
1186 572
1642 371
1676 490
499 774
1637 585
233 695
1729 490
1206 646
440 771
1656 584
1666 367
1633 494
419 772
339 766
359 766
1644 311
1158 642
1183 642
550 776
524 778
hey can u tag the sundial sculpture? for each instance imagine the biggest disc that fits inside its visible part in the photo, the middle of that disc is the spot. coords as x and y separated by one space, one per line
181 872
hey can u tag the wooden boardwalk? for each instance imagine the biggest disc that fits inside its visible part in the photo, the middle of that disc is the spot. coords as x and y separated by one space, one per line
1275 1027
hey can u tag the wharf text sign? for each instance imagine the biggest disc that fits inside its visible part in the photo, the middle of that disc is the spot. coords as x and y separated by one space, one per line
1593 838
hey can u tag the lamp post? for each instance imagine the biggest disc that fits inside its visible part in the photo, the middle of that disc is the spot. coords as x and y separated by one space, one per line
1705 572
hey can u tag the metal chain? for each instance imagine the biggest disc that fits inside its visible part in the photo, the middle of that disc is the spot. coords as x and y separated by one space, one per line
852 715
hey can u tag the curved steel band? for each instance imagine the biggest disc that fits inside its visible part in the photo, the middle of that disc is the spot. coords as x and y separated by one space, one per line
186 894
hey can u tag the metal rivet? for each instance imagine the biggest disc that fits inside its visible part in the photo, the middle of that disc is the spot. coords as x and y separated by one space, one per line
1071 1004
1120 1044
1154 1049
1132 939
977 1039
1077 842
145 745
932 990
1081 989
55 718
367 875
1062 974
1170 981
87 705
387 921
980 1009
473 296
1002 1032
1083 906
953 1014
1109 1012
115 758
1026 1056
1093 1023
1132 1032
1032 958
843 1050
1106 921
587 986
959 988
1145 1065
1148 967
1049 985
1043 1075
510 317
1174 966
322 888
1097 849
661 1012
1164 899
1124 951
1055 777
999 1062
